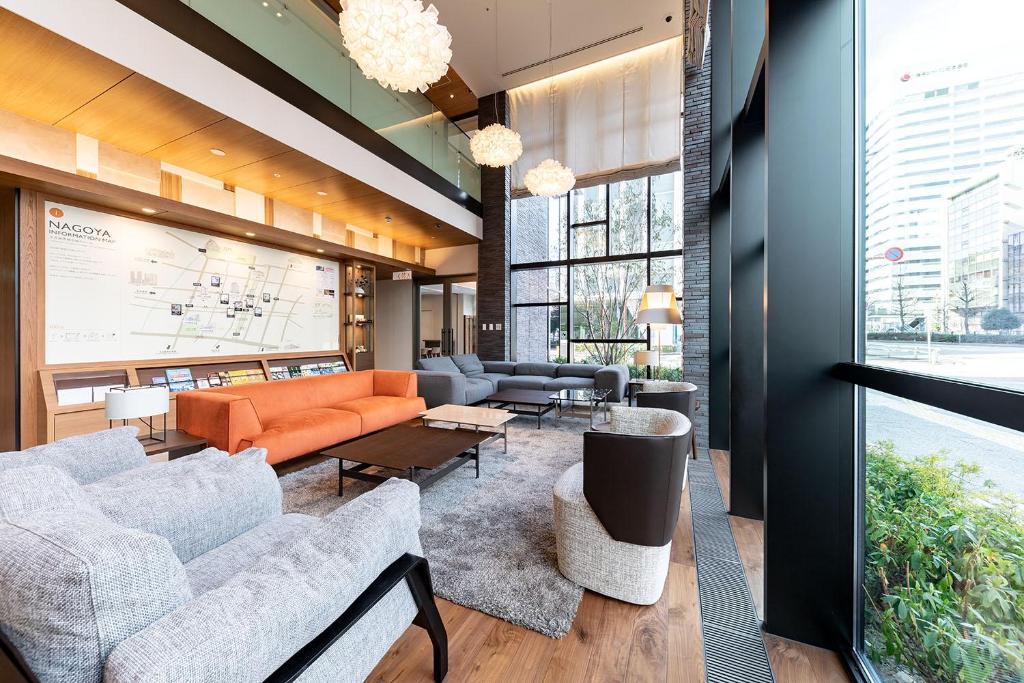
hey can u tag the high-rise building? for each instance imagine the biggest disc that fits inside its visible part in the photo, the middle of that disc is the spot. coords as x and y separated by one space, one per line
985 220
945 126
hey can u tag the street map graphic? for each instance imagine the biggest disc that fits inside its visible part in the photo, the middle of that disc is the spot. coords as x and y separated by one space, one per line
124 289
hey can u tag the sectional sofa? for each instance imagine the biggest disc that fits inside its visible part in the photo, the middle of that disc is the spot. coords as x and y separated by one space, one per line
293 417
464 380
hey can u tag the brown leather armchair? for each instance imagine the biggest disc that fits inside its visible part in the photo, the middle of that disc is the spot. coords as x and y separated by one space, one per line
678 396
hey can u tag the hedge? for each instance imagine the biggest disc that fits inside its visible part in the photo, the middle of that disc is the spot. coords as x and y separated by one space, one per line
946 338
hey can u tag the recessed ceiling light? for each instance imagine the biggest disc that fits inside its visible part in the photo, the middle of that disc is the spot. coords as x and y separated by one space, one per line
321 193
218 152
437 226
277 175
451 96
433 237
319 251
250 234
279 15
146 209
266 4
387 219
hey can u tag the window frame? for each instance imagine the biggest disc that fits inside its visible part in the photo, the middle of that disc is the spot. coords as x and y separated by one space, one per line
571 261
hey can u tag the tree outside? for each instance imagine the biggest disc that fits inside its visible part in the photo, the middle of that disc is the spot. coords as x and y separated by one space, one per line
999 320
964 301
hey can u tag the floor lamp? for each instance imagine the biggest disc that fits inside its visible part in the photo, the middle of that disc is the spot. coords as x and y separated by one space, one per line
658 307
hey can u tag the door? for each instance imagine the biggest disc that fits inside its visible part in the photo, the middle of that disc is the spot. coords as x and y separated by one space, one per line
447 318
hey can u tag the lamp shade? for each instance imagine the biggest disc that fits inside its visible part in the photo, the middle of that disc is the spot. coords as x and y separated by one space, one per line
658 307
130 403
645 357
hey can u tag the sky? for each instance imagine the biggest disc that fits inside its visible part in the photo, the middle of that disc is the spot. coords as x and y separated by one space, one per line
911 35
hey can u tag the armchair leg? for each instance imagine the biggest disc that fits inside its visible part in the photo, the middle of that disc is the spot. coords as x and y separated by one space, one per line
428 618
693 442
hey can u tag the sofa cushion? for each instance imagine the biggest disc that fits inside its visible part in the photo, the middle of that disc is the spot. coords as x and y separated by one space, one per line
548 370
76 585
469 364
25 491
439 364
378 412
577 370
88 457
523 382
493 378
204 510
502 367
570 383
306 431
477 389
213 568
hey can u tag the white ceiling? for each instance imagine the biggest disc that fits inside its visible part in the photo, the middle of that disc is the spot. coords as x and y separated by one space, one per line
492 37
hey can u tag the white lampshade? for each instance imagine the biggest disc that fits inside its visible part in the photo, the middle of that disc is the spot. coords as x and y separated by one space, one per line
131 403
645 357
658 307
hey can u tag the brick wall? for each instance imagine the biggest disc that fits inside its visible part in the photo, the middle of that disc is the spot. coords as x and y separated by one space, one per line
696 233
493 291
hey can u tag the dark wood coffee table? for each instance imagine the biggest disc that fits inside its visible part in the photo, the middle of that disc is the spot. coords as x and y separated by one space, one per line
411 448
537 401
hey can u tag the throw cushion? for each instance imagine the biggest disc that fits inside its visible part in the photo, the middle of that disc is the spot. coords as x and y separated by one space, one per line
578 370
207 507
87 458
25 491
76 585
499 367
439 364
542 369
469 365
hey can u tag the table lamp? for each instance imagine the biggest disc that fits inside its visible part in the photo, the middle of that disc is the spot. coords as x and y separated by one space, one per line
658 307
645 358
139 403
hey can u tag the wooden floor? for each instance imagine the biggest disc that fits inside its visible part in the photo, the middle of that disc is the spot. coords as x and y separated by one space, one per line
610 640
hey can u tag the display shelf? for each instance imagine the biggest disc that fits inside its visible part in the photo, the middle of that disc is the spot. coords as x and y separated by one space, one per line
360 286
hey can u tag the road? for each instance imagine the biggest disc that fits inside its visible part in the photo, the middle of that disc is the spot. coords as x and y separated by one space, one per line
996 364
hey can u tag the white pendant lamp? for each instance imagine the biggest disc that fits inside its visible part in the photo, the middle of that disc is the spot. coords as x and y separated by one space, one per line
396 42
496 146
550 178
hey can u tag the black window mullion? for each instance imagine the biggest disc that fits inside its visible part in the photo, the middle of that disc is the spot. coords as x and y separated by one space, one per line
571 249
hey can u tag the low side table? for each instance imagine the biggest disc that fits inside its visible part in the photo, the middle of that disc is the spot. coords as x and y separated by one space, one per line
177 444
592 397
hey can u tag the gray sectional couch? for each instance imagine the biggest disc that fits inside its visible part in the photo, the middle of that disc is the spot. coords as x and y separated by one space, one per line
464 380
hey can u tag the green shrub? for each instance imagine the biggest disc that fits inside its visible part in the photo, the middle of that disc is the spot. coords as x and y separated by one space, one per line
944 570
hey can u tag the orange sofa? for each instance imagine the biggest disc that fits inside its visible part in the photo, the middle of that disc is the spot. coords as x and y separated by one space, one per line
298 416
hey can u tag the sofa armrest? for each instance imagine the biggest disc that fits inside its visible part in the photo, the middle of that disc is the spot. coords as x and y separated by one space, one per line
615 378
439 388
224 420
401 383
245 629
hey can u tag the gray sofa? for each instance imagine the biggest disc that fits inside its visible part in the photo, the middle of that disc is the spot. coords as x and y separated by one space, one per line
464 380
119 570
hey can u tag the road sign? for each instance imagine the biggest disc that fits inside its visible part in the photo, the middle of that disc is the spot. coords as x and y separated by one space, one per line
893 254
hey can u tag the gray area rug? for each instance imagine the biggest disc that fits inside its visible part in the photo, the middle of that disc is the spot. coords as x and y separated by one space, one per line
490 541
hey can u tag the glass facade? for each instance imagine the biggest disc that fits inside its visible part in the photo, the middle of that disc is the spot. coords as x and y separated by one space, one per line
942 556
580 264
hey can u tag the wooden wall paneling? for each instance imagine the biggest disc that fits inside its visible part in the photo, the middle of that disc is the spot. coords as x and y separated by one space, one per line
33 408
170 185
8 319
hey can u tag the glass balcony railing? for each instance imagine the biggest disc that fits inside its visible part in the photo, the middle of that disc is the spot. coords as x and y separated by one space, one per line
305 41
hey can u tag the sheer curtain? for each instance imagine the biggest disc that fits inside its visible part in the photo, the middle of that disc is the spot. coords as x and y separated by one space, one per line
617 115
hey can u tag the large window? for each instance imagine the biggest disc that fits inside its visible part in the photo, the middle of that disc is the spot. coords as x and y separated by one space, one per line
943 190
580 264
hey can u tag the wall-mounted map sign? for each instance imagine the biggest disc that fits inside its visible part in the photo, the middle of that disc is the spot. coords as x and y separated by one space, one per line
124 289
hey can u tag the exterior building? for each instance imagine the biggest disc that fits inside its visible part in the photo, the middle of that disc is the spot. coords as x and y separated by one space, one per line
985 222
946 126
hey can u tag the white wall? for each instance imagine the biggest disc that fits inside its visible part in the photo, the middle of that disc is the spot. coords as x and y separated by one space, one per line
394 325
452 260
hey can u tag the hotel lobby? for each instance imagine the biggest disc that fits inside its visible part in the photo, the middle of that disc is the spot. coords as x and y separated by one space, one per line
479 340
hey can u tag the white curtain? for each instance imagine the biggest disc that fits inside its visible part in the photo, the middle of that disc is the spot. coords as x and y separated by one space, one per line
619 114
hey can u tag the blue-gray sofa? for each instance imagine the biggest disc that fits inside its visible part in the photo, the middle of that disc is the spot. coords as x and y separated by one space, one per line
464 380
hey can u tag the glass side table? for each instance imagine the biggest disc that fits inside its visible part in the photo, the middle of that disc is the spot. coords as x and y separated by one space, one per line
591 397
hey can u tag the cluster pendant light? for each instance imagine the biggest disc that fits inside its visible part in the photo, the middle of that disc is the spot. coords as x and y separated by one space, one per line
496 146
550 178
396 42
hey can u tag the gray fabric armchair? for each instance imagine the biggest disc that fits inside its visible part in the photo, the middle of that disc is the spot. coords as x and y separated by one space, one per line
190 572
616 512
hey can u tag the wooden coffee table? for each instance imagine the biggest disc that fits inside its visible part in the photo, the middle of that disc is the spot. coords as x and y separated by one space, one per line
411 448
537 401
490 420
